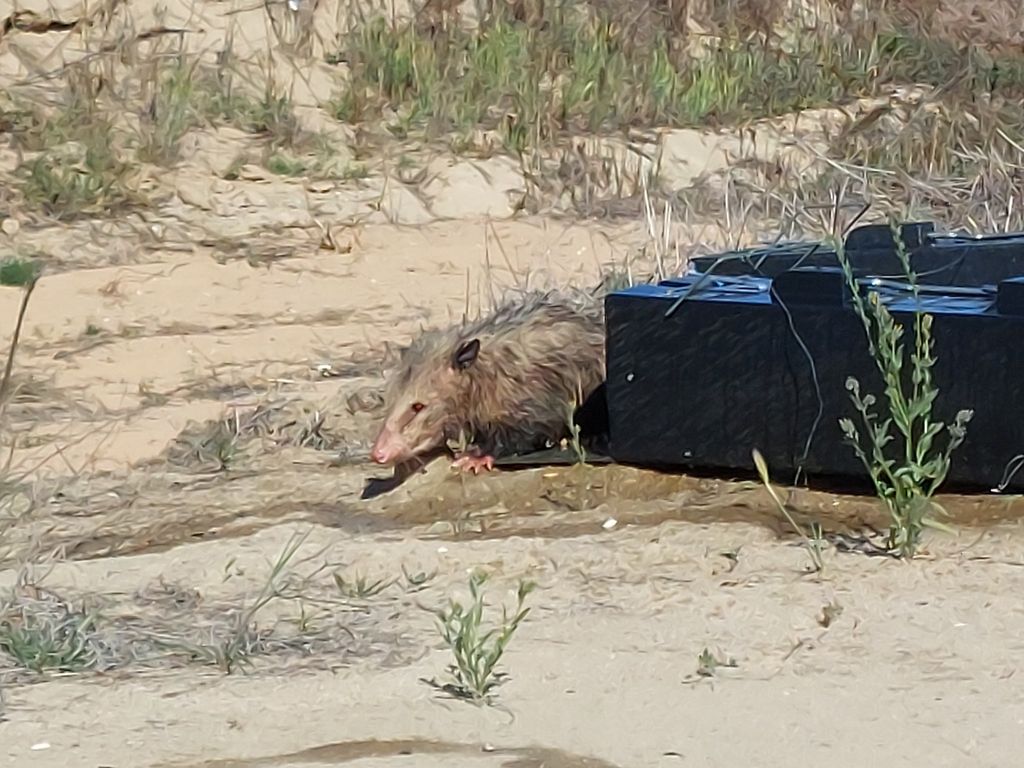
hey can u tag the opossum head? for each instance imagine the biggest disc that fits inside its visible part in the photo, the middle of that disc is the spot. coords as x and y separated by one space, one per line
423 400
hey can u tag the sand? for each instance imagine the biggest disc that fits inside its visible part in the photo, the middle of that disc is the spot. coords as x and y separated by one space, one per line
287 295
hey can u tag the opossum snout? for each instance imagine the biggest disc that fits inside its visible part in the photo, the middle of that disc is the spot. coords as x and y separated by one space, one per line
388 447
378 455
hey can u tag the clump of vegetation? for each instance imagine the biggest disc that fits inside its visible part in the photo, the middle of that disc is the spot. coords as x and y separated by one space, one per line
77 165
477 652
906 478
360 587
284 164
954 157
172 110
186 94
235 644
578 68
75 179
40 632
83 149
219 445
270 114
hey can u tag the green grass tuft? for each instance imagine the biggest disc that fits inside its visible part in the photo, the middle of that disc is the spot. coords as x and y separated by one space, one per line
45 633
583 73
77 178
476 651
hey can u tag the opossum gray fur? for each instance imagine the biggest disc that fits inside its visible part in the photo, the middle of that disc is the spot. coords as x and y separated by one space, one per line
506 382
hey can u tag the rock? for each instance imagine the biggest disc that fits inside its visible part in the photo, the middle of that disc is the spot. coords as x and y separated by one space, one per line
687 155
465 188
401 206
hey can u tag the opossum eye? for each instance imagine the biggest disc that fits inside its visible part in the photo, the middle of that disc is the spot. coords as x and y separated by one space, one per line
417 407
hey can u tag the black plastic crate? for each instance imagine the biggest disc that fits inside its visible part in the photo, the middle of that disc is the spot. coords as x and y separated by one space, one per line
747 362
937 258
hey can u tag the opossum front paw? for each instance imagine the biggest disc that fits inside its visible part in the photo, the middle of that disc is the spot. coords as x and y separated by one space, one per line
474 464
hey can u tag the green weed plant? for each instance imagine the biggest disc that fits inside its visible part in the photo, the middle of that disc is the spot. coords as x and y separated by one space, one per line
901 448
476 652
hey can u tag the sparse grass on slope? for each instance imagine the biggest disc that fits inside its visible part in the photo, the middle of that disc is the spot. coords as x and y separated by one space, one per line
82 151
960 160
577 72
531 73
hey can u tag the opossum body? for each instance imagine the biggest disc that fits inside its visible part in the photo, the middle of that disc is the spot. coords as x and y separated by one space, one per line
506 383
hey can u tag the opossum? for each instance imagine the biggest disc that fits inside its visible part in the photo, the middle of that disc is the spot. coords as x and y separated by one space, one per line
507 383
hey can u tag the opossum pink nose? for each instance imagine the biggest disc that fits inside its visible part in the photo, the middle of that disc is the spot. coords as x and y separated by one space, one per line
384 448
380 453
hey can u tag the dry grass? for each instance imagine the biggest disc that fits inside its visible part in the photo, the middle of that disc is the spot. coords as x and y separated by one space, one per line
85 147
532 76
963 160
274 421
579 68
293 614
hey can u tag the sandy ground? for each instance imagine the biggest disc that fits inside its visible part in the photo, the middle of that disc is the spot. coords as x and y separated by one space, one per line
277 295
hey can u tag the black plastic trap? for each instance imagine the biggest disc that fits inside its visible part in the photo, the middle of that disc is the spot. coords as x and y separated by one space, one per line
941 259
704 368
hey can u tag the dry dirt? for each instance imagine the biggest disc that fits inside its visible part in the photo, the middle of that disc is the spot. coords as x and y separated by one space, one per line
283 296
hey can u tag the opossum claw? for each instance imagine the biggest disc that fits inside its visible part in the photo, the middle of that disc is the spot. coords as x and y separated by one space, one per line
474 464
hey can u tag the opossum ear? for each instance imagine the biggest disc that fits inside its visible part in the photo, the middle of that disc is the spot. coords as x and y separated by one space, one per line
465 354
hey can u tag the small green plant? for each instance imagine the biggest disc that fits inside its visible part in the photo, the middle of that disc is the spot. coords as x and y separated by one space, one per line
575 440
355 172
707 663
905 481
225 450
284 164
814 542
24 274
18 272
361 588
477 652
172 112
46 633
77 178
414 582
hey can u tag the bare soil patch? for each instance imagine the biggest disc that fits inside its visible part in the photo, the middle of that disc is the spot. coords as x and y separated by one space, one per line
190 574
